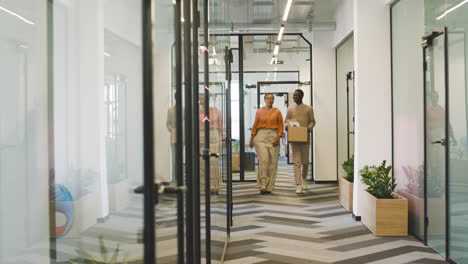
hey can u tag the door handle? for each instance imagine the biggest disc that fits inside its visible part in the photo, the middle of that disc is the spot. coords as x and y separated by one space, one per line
443 142
351 132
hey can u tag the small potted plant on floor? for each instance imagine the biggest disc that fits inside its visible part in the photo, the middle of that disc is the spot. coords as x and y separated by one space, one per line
384 212
346 185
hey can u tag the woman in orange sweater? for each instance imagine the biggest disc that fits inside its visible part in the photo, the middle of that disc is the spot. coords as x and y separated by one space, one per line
266 133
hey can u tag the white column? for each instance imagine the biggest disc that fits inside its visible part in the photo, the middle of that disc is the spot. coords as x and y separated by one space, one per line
373 88
324 85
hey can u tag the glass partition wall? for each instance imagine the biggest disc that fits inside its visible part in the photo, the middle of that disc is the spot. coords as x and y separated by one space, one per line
77 134
430 120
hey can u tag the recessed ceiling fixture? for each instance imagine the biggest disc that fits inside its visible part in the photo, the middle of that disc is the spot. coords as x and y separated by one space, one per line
286 10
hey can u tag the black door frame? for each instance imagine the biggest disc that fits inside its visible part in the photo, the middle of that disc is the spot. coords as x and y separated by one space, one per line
427 42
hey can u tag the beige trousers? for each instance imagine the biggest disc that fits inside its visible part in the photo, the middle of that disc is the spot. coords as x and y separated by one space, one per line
300 154
267 158
215 147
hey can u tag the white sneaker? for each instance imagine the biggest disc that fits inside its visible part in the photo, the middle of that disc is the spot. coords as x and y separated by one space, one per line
304 184
298 189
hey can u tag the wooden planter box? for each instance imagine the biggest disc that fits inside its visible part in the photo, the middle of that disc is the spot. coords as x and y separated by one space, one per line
385 217
346 194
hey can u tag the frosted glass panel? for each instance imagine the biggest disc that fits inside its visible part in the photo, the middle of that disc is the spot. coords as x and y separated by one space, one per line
24 175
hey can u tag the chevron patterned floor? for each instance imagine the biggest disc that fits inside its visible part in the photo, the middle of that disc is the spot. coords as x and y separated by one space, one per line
311 228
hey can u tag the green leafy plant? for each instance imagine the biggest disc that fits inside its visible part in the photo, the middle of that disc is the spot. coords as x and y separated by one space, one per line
107 257
348 167
379 181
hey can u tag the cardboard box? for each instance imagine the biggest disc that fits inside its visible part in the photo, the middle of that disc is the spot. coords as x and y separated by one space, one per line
297 134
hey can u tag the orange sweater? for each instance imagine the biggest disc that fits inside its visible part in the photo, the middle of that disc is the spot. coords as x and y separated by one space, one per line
268 119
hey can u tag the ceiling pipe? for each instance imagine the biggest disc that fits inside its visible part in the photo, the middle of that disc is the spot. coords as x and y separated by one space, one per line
272 28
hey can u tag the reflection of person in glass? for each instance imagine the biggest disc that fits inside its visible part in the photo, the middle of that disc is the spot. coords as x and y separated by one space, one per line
216 128
171 127
436 152
304 114
266 133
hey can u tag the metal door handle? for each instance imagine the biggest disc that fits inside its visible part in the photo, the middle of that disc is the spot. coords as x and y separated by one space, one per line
443 142
351 132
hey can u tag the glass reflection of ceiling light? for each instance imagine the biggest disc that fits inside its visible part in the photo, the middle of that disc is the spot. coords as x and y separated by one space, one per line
16 15
275 52
24 46
451 9
174 2
214 51
272 60
286 10
107 54
280 35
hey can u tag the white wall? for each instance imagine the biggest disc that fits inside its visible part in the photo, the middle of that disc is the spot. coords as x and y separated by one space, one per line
373 97
324 83
344 21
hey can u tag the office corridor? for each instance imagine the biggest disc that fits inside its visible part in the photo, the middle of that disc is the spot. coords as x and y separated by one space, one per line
311 228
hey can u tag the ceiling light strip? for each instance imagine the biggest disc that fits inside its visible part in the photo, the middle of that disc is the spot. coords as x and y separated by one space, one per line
16 15
275 52
451 9
286 10
280 35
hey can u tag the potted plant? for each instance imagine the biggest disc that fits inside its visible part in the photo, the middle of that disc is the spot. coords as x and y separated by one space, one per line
346 185
384 212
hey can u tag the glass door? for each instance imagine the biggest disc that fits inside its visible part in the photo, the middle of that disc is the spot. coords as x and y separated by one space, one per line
350 115
436 140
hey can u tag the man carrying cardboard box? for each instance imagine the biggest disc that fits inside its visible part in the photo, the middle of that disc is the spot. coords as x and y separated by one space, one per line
302 115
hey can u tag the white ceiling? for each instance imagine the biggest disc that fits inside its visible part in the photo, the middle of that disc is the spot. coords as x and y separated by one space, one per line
245 15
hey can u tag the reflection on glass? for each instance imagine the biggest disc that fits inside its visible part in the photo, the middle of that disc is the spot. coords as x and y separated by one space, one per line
435 150
458 150
408 115
24 175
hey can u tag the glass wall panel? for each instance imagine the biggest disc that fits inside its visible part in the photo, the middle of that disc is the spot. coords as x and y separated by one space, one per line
24 168
408 124
411 20
345 106
165 130
218 24
98 129
457 22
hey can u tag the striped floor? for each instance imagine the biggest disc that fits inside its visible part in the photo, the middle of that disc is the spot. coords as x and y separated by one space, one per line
278 228
311 228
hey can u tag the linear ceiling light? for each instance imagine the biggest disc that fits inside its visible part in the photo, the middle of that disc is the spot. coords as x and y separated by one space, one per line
280 35
16 15
451 9
106 54
286 10
275 52
272 60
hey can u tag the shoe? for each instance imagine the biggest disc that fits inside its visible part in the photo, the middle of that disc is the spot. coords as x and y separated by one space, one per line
267 192
304 185
298 189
